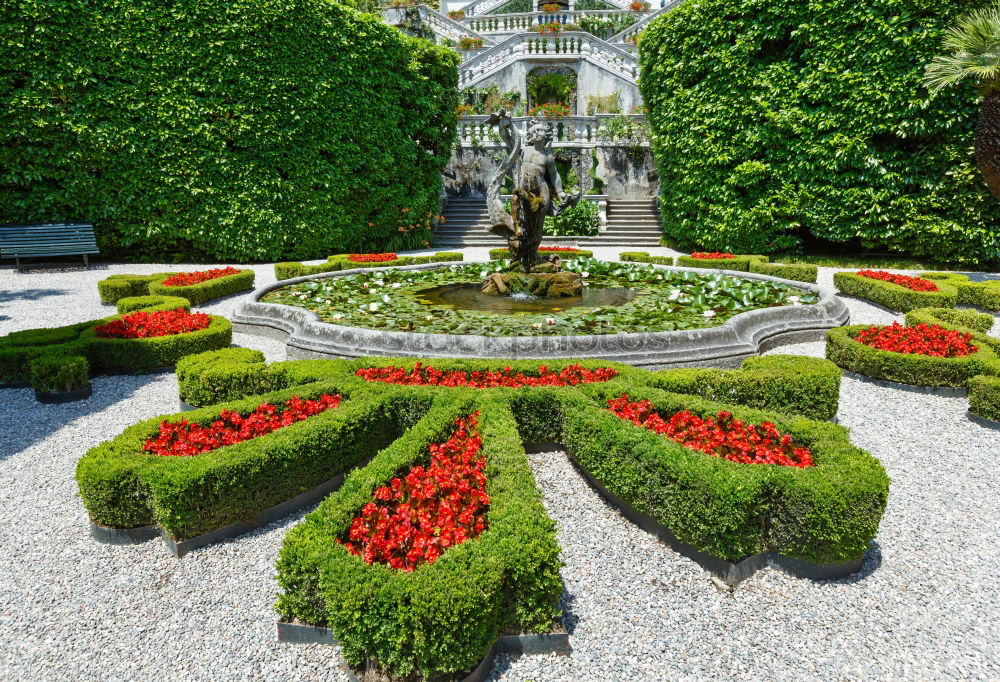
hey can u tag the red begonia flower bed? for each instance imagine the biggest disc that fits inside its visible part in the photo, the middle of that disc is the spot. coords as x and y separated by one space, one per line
712 255
920 339
428 376
183 279
557 248
143 325
372 257
913 283
417 517
185 439
722 436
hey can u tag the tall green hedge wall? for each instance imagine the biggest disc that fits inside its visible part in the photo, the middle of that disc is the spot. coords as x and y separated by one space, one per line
233 130
776 121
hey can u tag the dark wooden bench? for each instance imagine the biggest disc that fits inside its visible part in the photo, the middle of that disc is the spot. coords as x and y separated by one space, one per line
39 241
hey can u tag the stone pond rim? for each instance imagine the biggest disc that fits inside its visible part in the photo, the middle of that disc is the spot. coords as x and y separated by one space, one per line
745 334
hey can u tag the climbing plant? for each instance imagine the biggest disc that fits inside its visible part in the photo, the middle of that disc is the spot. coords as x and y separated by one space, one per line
239 130
782 122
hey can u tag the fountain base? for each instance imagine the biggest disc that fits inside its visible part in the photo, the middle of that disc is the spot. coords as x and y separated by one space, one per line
540 284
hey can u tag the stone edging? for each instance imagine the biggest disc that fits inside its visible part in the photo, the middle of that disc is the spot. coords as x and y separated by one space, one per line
983 421
133 536
746 334
58 397
948 391
515 645
730 572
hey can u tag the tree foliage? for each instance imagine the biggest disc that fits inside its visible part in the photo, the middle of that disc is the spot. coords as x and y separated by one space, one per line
238 130
776 122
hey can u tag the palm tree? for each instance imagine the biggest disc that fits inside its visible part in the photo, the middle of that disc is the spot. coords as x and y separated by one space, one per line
974 47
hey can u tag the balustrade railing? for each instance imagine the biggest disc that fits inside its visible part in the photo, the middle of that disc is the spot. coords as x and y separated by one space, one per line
515 23
558 46
566 131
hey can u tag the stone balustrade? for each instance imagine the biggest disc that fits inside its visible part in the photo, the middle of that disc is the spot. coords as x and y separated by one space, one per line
567 131
558 47
516 23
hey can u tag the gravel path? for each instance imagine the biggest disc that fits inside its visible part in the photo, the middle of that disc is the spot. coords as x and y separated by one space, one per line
924 608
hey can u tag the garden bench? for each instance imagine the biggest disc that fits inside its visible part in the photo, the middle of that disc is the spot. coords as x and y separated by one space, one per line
33 241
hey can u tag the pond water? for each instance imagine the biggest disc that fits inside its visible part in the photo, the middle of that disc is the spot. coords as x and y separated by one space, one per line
470 297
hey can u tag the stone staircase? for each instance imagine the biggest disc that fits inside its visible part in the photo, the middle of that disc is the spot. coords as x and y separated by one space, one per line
631 224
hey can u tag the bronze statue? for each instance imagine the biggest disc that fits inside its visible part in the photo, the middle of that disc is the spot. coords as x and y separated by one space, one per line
534 197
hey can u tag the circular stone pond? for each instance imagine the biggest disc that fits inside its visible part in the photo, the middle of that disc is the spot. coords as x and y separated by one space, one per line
645 315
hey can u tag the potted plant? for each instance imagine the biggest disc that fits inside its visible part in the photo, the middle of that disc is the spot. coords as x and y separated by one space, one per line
60 378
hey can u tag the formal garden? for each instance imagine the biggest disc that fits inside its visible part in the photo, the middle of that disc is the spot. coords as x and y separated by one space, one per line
268 415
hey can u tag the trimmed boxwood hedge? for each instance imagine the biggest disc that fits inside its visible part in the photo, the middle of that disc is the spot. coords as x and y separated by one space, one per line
921 370
130 304
894 296
442 618
984 397
51 373
644 257
737 262
18 349
335 263
500 254
985 295
799 272
116 287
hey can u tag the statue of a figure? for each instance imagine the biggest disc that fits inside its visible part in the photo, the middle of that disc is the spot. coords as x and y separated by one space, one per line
536 194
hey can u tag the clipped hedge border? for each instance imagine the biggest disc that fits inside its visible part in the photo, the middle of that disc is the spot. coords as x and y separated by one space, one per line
335 263
19 349
894 296
799 272
644 257
501 254
116 287
737 263
919 370
444 617
130 304
984 398
984 295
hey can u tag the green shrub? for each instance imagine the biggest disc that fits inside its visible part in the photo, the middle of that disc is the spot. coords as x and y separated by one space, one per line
219 376
735 263
132 303
906 368
209 290
780 383
581 220
262 144
51 373
155 352
501 254
19 348
776 123
894 296
644 257
985 295
828 512
952 318
799 272
117 287
984 397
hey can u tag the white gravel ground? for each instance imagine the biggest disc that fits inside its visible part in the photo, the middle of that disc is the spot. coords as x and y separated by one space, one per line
925 607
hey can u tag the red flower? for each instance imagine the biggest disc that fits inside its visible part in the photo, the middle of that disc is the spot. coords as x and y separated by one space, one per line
428 376
920 339
183 279
723 436
913 283
557 248
712 255
371 257
185 439
416 517
142 325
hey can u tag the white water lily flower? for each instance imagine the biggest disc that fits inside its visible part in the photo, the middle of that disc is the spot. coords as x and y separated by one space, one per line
536 325
584 274
385 297
675 294
338 316
429 318
373 307
379 282
709 313
550 320
396 285
793 300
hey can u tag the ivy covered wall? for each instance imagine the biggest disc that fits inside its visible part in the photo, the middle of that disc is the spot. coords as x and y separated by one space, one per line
223 129
778 123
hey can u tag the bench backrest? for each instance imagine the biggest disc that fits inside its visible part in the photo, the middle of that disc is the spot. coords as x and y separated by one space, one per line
47 240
